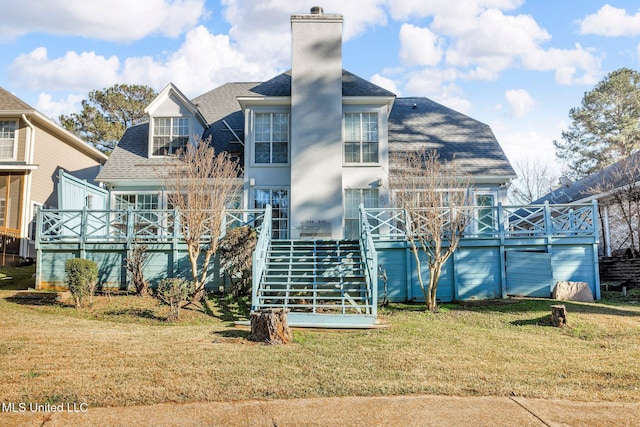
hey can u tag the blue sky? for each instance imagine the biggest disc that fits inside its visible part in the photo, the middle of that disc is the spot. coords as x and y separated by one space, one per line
517 65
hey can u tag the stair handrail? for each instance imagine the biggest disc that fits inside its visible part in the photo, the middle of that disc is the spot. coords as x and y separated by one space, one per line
370 257
260 256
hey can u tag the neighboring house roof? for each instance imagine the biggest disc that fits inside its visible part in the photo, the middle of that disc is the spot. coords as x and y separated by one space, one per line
417 124
596 185
11 103
12 106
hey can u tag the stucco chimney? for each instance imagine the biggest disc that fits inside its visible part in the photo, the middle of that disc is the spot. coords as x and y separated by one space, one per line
316 119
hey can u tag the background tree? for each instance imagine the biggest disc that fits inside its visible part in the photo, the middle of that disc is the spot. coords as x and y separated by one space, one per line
435 196
605 128
200 184
534 181
107 114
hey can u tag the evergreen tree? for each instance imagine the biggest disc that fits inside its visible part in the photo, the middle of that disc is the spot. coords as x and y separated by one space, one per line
107 114
605 128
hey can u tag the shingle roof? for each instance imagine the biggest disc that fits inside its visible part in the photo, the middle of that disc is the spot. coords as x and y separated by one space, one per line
428 125
619 174
10 102
416 124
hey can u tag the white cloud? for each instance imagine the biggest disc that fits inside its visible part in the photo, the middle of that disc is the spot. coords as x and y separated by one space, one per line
611 21
53 109
438 85
419 46
532 146
73 71
406 9
385 83
191 70
520 101
114 20
494 42
566 63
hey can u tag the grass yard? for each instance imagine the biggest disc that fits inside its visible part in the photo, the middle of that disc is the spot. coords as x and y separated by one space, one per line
122 352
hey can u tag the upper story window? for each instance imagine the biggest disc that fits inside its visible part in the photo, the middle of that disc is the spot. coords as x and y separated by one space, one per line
361 137
271 138
8 137
169 134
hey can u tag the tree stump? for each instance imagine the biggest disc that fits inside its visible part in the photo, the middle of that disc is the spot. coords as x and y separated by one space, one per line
558 315
270 326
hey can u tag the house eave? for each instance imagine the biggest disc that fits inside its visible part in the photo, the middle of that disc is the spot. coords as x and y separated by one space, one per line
370 100
246 101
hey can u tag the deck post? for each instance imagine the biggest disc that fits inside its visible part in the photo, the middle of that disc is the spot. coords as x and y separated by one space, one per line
174 243
83 232
596 234
502 261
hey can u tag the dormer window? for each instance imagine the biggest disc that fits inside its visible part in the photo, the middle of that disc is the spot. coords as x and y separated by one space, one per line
169 135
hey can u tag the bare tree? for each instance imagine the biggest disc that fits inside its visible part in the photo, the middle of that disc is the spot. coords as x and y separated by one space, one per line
200 184
620 184
534 181
435 197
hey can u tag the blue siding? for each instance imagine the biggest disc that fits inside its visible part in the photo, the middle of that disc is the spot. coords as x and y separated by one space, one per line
478 273
529 274
575 263
394 262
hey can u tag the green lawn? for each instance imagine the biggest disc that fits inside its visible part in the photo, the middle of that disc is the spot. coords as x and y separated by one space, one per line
122 352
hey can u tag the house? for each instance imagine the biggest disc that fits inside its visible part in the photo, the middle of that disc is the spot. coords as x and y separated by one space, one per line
316 141
616 188
319 146
33 150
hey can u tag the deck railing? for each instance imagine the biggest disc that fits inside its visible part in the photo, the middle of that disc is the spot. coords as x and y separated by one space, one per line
260 256
497 222
370 258
115 226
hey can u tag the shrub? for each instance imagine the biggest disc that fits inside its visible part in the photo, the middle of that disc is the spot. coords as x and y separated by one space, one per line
82 276
173 291
134 264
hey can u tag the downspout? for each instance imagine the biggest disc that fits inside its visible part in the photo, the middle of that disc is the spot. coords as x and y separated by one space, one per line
26 202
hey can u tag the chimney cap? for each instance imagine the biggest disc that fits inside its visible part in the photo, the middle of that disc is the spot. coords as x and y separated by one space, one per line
317 10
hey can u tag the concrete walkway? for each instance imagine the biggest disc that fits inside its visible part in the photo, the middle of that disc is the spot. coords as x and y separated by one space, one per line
347 411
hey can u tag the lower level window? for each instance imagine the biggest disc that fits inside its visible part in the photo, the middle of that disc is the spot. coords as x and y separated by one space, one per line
353 199
279 201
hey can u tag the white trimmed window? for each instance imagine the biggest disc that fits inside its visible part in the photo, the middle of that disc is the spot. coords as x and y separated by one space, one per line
8 139
139 202
271 138
169 135
361 137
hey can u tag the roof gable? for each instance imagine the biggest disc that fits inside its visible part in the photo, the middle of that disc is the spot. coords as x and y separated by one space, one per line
171 91
10 102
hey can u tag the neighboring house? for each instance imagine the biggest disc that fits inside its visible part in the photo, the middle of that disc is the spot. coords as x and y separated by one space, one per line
617 191
33 150
316 141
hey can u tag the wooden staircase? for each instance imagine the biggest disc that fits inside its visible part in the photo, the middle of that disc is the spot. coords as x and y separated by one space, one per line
322 282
